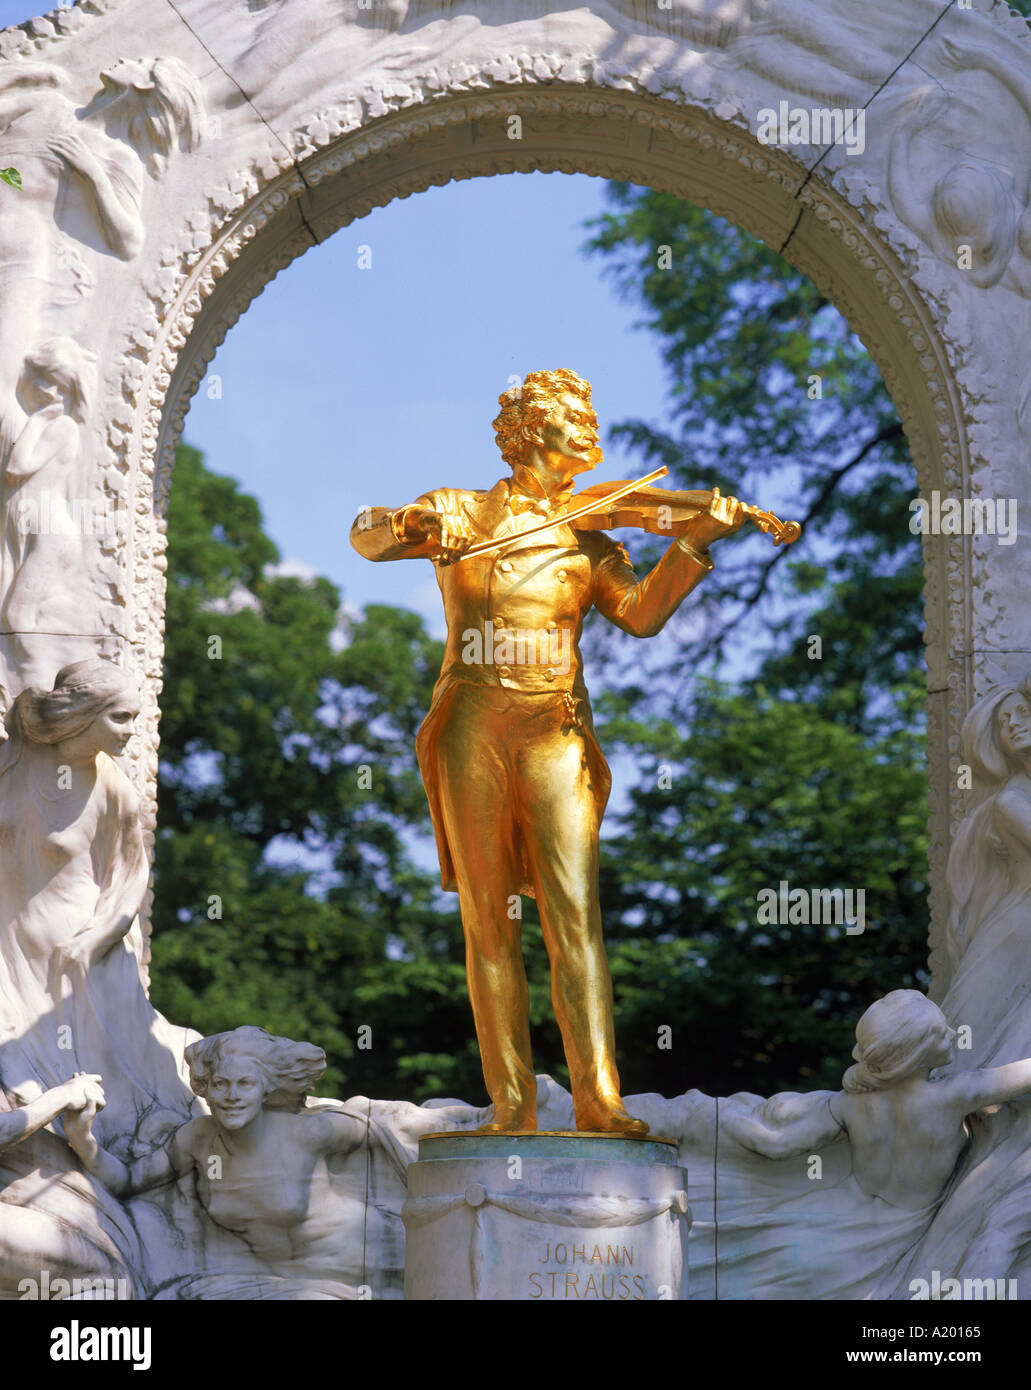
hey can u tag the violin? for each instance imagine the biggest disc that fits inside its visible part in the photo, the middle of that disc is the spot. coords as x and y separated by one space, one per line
605 506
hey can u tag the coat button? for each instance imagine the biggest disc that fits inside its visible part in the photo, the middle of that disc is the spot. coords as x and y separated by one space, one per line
561 576
505 566
504 671
549 674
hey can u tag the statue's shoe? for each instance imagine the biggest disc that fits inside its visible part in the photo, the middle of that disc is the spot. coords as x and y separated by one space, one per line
611 1121
509 1123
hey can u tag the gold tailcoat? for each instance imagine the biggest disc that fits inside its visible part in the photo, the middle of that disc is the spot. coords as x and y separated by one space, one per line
554 578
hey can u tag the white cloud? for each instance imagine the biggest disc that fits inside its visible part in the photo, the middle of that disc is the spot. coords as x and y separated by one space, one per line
292 569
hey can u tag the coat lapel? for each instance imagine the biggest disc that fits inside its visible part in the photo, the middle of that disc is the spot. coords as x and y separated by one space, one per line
486 509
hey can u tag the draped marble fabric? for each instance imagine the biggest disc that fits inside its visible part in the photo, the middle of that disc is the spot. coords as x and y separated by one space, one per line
66 859
768 1229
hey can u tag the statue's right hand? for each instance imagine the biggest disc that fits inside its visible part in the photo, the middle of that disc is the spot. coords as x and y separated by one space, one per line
83 1090
453 533
74 958
72 149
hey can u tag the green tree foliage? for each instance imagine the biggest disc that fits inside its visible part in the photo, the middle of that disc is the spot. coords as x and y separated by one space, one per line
753 791
810 770
286 893
748 342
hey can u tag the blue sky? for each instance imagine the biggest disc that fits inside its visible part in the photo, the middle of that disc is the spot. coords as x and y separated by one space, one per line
344 387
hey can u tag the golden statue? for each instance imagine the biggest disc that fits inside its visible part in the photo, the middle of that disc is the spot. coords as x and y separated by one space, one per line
515 778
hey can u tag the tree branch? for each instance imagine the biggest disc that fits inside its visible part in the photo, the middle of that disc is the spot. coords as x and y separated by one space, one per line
822 500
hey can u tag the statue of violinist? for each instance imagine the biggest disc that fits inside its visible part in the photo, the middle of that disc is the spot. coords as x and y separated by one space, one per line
515 778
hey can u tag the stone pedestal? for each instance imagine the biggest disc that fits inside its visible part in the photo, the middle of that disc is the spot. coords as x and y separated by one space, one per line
545 1217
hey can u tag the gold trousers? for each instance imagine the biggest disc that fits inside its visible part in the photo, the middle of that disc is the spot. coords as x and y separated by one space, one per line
516 790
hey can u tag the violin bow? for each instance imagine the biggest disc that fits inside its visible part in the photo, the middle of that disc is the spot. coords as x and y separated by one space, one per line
783 532
484 547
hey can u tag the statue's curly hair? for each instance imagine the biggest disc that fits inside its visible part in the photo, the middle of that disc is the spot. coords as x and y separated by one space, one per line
289 1069
525 408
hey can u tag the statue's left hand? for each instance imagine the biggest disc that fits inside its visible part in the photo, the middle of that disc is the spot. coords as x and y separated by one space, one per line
78 1123
724 516
83 1089
75 958
73 150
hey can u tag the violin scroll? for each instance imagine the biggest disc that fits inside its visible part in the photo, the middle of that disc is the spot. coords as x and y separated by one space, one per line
783 532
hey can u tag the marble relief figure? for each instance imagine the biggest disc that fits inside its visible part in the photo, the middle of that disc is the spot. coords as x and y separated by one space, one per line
83 170
828 1194
85 165
951 199
906 1130
51 1218
989 879
47 513
269 1167
73 873
259 1162
984 1230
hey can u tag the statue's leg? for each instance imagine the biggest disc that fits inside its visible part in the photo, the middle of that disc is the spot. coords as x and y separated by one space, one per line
561 831
479 817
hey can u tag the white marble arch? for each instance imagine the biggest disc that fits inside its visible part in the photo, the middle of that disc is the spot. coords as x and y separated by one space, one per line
308 113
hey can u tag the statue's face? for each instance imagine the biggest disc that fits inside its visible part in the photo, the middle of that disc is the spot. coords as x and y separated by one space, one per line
40 391
570 435
1014 724
236 1092
113 729
126 73
946 1044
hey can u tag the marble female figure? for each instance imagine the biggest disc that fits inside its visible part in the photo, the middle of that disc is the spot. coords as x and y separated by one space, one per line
265 1165
989 881
43 575
984 1229
83 178
73 873
906 1132
58 1234
888 1145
